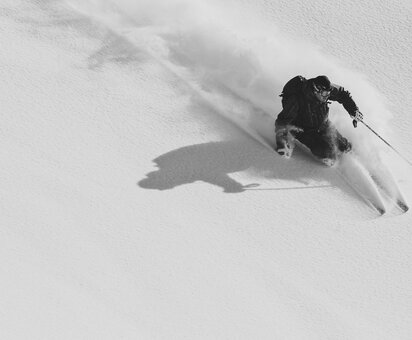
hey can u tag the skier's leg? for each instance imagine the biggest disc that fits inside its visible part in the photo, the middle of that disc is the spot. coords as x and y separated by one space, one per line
343 144
338 143
320 145
282 143
285 137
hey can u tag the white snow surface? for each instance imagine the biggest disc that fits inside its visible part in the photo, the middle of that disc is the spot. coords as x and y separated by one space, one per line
137 201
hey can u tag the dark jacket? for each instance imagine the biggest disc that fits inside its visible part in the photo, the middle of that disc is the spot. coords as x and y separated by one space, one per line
302 109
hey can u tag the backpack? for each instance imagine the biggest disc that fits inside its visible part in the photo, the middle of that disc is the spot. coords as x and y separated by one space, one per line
293 87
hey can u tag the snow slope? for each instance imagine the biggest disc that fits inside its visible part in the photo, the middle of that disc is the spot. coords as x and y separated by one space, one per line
135 205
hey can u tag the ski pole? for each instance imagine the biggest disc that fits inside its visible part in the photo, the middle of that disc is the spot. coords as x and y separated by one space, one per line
402 156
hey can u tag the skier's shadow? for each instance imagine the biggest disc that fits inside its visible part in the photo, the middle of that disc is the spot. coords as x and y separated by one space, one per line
214 162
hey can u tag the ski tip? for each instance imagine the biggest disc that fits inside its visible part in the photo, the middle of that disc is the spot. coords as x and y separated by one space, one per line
403 206
381 211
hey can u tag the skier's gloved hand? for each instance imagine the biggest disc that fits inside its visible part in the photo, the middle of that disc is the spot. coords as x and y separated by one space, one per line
357 116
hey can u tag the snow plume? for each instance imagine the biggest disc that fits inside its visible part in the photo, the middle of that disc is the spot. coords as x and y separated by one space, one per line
238 66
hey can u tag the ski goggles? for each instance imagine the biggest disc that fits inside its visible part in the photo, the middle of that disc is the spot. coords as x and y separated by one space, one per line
321 90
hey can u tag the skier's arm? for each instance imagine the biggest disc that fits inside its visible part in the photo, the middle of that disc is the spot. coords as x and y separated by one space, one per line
344 97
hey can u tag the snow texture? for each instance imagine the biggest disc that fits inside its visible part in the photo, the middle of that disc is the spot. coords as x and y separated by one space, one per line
140 199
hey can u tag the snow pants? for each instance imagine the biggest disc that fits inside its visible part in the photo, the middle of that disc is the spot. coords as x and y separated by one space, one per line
324 143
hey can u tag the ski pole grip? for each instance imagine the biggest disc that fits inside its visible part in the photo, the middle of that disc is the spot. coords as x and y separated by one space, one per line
355 123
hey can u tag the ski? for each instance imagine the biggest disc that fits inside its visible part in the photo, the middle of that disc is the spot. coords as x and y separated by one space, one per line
386 182
355 175
348 167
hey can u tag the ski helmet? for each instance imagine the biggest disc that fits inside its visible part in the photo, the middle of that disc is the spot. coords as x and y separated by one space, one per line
321 87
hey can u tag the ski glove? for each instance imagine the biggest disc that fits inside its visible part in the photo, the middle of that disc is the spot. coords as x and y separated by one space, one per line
357 116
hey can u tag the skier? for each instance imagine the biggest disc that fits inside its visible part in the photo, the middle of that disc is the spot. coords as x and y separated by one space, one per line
305 118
